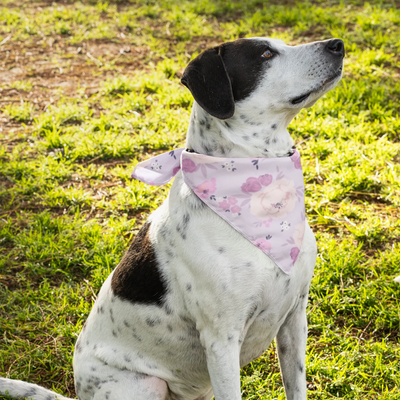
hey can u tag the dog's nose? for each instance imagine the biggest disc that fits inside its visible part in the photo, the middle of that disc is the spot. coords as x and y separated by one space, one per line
335 47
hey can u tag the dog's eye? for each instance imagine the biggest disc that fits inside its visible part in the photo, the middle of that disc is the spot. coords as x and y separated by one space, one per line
267 54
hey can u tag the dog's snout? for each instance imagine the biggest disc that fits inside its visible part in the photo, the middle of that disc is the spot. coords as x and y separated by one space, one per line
335 47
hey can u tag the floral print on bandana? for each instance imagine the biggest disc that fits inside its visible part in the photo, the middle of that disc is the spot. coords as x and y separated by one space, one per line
262 198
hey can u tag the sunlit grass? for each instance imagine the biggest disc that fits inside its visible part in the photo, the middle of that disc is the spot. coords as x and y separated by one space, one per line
68 207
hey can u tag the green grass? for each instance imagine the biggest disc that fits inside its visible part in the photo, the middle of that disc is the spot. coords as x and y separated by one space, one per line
89 88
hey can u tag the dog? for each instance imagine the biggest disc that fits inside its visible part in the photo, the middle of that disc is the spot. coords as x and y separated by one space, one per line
192 300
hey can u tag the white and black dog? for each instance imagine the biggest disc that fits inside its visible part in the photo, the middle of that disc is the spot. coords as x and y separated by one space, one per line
192 300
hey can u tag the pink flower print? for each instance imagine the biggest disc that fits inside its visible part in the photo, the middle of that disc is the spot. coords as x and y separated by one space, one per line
294 253
275 200
229 204
232 200
265 180
236 209
296 160
225 205
175 170
267 222
206 188
251 185
188 165
298 235
263 244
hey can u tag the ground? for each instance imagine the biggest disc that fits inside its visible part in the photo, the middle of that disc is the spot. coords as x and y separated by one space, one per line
89 88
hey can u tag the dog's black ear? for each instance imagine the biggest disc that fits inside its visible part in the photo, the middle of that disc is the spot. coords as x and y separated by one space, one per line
207 79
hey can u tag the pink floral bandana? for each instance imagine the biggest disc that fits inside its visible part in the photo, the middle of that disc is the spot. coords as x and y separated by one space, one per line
262 198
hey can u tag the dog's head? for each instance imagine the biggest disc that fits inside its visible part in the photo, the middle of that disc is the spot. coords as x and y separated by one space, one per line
264 73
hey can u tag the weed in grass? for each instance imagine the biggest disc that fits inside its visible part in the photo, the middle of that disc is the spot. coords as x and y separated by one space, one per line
25 85
19 112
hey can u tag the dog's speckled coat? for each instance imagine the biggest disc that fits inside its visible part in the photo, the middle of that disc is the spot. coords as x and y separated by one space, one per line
192 300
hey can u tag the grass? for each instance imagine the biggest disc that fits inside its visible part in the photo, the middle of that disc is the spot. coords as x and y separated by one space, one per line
89 88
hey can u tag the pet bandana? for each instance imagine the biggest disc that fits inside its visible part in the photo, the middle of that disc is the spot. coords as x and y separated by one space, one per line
262 198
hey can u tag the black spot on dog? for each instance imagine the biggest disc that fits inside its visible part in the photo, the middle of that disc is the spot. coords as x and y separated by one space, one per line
221 250
252 312
274 126
112 315
185 319
300 367
93 368
137 278
244 65
183 225
169 253
78 347
246 138
30 393
169 327
188 287
168 309
153 321
127 358
282 349
126 323
208 149
115 334
287 283
137 337
164 231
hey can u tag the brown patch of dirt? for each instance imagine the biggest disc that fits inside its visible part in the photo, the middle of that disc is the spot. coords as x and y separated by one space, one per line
55 69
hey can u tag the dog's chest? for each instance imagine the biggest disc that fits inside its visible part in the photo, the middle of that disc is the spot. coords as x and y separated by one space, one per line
216 284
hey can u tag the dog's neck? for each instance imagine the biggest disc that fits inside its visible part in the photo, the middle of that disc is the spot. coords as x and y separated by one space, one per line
257 134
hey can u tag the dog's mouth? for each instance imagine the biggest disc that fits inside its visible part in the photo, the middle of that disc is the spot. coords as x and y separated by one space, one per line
325 82
300 99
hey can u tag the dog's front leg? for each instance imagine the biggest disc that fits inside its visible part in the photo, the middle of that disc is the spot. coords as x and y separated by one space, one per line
223 365
291 342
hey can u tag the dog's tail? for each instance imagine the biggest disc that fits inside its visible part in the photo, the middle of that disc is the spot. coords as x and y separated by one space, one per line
24 390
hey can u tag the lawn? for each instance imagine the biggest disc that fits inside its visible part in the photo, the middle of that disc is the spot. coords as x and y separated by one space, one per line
89 88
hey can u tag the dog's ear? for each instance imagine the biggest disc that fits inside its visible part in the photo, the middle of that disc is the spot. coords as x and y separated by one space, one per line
207 79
